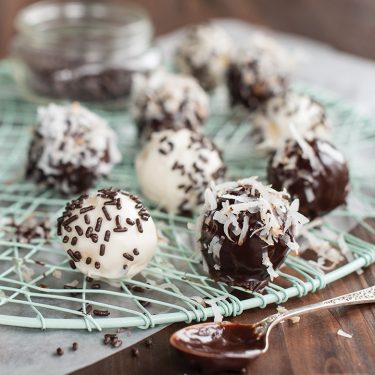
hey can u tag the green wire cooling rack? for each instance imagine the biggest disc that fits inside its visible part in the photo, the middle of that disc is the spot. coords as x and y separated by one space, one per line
173 287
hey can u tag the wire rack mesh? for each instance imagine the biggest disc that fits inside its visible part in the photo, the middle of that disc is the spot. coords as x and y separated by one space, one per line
173 287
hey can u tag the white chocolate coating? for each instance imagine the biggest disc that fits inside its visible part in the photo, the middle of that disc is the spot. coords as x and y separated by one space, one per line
205 53
168 101
282 114
272 59
125 253
175 167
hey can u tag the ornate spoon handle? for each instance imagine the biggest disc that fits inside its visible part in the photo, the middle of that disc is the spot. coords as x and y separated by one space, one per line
361 296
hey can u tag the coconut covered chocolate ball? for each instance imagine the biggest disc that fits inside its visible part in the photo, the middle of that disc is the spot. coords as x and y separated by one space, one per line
246 230
168 101
258 73
205 53
70 148
175 167
108 235
280 115
313 171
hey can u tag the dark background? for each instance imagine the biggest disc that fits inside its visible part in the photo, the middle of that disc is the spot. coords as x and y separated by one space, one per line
348 25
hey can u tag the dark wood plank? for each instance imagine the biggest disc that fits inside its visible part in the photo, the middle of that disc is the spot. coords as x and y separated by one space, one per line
311 346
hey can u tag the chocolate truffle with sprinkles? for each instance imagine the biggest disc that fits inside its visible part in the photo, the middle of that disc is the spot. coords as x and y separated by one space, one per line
205 53
175 167
115 235
258 72
313 171
168 101
275 117
71 147
246 230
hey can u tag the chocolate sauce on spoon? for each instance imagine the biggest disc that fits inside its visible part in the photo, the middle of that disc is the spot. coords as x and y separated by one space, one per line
215 347
227 346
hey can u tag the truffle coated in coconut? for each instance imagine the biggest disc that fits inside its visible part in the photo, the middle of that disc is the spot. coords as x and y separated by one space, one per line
273 119
108 235
246 230
258 72
205 53
313 171
175 167
70 148
168 101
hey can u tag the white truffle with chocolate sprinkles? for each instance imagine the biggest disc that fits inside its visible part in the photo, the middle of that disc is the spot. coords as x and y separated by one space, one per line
168 101
205 53
70 148
108 235
175 167
277 117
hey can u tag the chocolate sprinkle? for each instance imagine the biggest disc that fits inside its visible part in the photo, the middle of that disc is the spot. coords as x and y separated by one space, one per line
79 230
88 260
89 231
87 219
74 346
86 209
135 352
78 255
98 224
106 213
65 239
120 229
107 235
94 238
139 225
59 351
72 255
135 251
72 264
101 312
118 204
102 250
128 256
97 265
70 220
74 241
116 344
130 221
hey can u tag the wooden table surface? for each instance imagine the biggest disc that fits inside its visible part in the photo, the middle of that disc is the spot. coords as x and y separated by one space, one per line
311 346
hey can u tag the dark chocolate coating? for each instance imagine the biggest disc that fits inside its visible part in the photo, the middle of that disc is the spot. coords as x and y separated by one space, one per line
175 121
214 347
252 96
329 183
241 265
78 178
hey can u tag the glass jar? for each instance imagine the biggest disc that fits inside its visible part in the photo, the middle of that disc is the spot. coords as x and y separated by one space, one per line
86 51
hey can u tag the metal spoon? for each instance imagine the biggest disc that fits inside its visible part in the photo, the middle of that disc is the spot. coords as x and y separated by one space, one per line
230 346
